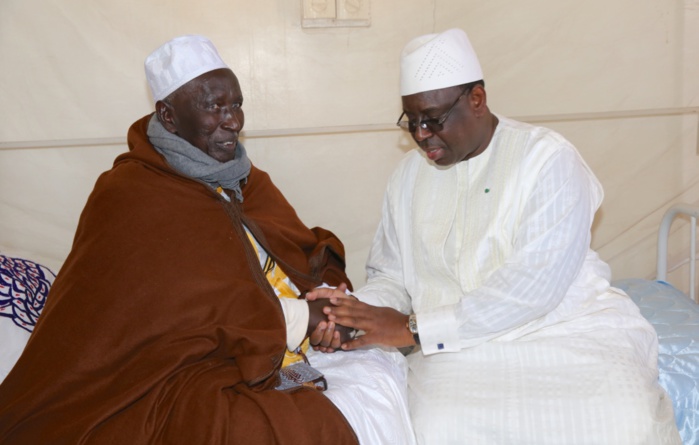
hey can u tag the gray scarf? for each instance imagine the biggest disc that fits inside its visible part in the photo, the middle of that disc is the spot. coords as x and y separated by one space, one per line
189 160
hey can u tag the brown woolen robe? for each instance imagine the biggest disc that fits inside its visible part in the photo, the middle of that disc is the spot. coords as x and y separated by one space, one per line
160 327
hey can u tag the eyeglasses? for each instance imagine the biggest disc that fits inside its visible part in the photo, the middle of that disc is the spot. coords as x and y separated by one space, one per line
433 124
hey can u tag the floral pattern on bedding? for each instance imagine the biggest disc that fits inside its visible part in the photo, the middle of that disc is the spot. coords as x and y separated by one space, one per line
24 286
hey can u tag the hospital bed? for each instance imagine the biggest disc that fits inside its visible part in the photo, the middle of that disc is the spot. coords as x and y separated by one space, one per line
24 286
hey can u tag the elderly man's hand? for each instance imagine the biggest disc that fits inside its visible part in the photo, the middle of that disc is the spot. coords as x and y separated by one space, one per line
325 336
326 293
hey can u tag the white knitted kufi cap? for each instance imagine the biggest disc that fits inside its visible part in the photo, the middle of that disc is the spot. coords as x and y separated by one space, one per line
436 61
179 61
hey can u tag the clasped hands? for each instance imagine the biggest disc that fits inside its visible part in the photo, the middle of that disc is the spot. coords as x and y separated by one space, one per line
338 316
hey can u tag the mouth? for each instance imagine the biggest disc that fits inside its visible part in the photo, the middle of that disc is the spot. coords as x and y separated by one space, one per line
228 145
433 153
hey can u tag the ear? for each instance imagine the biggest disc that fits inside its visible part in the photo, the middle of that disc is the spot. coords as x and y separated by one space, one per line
166 116
478 100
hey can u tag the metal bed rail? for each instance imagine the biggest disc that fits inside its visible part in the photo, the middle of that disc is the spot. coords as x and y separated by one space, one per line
664 234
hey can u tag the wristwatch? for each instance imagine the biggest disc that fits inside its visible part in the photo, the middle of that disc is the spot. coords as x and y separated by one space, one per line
412 327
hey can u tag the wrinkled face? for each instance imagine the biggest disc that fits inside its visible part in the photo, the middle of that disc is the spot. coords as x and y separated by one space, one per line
464 134
206 112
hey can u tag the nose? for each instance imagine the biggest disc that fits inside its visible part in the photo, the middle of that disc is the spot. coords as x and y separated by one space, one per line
233 119
421 134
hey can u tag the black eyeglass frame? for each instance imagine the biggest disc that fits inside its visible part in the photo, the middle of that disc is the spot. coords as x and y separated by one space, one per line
433 124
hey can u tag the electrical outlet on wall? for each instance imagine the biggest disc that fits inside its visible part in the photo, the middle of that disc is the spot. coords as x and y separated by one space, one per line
335 13
355 10
319 9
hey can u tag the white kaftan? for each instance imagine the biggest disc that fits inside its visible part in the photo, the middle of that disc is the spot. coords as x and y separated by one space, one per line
523 340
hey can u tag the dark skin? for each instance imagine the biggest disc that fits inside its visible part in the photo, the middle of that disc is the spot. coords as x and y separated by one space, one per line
382 325
465 134
207 112
326 334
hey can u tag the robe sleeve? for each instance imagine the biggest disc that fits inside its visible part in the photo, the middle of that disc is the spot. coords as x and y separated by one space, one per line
551 243
296 317
384 267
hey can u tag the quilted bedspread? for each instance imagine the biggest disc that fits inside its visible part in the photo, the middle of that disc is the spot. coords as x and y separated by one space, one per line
676 320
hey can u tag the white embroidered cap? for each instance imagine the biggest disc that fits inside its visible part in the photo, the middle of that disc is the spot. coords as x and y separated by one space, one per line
179 61
436 61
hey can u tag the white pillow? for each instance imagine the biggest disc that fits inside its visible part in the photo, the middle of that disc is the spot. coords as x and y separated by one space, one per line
13 341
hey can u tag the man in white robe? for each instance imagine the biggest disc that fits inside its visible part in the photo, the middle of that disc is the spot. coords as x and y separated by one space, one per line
483 259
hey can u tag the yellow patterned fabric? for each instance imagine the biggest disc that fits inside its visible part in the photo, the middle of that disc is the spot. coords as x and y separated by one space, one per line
284 288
